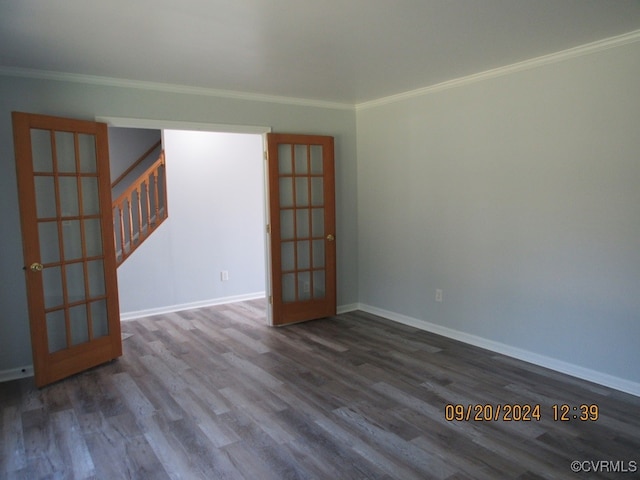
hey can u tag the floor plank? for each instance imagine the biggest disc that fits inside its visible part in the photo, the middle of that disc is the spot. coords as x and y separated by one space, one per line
215 393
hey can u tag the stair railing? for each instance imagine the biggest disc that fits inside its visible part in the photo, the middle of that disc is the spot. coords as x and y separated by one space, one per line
133 166
140 209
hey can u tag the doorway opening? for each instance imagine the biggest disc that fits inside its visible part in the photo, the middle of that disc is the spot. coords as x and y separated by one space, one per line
212 249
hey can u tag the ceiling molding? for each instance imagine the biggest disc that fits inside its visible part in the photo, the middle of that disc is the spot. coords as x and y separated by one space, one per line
168 87
579 51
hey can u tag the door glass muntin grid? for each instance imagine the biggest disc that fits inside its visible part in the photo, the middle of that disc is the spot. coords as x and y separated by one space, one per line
68 217
301 202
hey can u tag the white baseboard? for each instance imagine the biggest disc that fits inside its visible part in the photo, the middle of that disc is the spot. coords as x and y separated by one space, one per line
16 373
124 316
348 308
600 378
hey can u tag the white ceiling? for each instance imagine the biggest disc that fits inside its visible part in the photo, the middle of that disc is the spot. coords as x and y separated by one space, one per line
347 51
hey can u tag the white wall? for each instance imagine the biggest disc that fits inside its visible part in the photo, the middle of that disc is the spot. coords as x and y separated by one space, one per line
86 100
126 145
519 196
216 222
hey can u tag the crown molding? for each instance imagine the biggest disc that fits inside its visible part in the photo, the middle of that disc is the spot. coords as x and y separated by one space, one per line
168 88
575 52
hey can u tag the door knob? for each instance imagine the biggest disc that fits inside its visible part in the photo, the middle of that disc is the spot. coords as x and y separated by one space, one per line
36 267
331 238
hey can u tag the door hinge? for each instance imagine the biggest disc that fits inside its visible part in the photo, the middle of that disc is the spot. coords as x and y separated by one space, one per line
270 299
268 228
265 155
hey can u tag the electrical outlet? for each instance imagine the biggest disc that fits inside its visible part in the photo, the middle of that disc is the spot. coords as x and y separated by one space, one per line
439 295
224 275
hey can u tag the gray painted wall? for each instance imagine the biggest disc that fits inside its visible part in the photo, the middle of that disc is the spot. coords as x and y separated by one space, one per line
127 144
519 196
88 101
215 184
125 147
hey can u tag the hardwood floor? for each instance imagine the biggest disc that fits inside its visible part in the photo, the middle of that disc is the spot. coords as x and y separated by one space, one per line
215 393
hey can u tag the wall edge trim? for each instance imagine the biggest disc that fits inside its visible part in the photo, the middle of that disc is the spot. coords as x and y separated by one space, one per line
16 373
351 307
131 122
593 47
189 306
168 88
556 365
543 60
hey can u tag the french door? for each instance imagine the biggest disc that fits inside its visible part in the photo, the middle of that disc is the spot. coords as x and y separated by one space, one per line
302 227
65 208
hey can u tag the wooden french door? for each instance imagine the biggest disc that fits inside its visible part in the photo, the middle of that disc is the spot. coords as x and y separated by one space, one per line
65 209
302 227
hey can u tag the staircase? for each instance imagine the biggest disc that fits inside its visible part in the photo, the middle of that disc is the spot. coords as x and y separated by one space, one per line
141 208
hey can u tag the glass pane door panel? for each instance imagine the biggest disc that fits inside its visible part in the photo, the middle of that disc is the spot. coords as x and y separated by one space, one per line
75 282
301 160
71 239
45 195
286 192
318 284
95 272
69 196
87 147
93 237
302 223
90 200
301 181
286 224
49 244
304 285
284 160
317 222
52 287
62 209
288 256
304 254
289 287
318 253
317 192
316 159
99 319
65 152
41 150
56 331
79 324
302 192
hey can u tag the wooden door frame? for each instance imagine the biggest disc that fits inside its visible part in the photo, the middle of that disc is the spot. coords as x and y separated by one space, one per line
98 350
300 310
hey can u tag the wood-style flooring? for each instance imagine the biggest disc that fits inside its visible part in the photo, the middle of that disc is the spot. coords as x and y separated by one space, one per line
215 393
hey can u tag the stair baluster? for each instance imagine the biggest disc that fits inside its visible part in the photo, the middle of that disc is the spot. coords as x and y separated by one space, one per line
147 194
